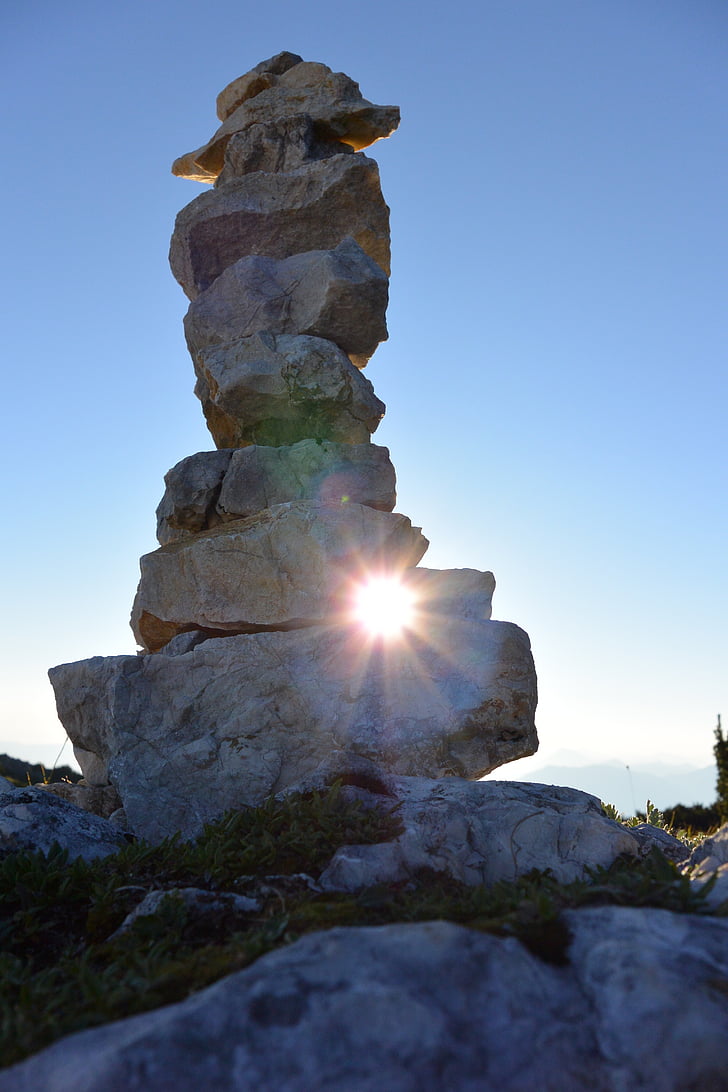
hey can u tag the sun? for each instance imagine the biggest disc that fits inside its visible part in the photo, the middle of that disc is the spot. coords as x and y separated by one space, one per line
384 606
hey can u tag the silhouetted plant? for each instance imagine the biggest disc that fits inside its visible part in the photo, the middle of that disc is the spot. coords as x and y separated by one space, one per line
720 750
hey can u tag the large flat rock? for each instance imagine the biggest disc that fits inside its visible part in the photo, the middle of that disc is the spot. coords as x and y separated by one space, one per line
432 1007
213 487
313 207
340 295
331 99
184 737
268 389
290 565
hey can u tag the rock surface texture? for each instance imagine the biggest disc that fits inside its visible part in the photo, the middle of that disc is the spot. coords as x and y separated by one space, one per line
257 666
228 722
33 819
269 389
428 1007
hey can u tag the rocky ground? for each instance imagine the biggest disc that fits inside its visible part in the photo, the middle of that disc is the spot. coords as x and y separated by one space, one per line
394 932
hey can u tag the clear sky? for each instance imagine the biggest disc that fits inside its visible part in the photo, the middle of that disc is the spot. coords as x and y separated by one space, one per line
556 370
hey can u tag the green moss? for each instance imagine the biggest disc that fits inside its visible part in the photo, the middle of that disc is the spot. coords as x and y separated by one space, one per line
61 970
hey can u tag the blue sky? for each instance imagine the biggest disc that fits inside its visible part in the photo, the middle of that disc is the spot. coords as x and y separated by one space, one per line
555 375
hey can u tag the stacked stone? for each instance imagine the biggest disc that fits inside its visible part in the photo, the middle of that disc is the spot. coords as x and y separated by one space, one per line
255 674
286 262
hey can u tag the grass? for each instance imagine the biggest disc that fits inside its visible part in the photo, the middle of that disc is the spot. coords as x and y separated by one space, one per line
63 969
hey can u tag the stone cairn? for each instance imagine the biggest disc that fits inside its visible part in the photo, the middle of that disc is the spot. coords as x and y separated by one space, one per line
255 676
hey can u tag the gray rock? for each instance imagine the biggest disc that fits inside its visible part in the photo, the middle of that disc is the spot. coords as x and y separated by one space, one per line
195 900
192 488
100 800
287 566
314 207
185 737
708 865
654 984
480 832
711 853
650 836
334 474
716 896
278 390
340 295
204 490
274 146
34 819
332 99
431 1007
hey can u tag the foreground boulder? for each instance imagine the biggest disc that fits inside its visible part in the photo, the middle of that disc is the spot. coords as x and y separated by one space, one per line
636 1000
185 737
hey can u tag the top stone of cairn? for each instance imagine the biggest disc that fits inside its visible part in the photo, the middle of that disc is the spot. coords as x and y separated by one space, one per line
284 87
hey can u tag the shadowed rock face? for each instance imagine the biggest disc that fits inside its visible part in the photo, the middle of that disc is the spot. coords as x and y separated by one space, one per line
314 207
32 818
272 390
445 1008
215 487
340 295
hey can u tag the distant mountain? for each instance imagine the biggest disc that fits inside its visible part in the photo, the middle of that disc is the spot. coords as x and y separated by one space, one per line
24 773
628 789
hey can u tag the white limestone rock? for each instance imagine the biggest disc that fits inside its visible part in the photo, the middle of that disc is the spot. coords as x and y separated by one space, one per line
287 566
314 207
184 737
271 390
340 295
33 819
637 1004
476 832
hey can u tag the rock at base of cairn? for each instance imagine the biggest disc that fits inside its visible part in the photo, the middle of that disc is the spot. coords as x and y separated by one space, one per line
185 737
313 207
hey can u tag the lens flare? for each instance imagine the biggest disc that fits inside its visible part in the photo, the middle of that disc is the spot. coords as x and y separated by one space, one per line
384 606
